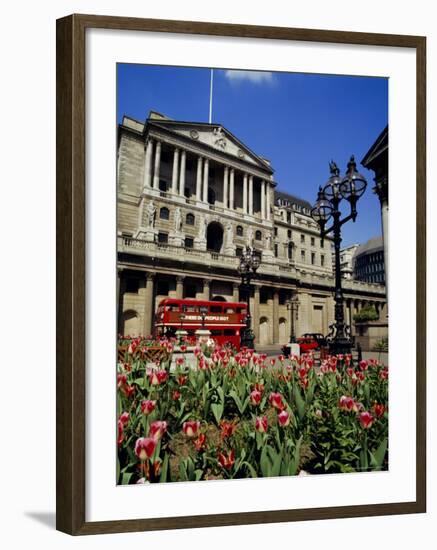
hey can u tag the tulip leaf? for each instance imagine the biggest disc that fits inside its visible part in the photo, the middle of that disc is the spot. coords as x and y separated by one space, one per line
251 469
377 458
265 463
294 464
198 475
300 403
217 411
276 462
125 478
164 469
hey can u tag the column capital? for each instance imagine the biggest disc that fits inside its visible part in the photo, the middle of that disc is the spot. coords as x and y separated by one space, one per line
150 276
180 278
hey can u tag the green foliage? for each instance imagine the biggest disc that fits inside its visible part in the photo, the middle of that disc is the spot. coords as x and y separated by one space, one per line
317 435
381 346
367 313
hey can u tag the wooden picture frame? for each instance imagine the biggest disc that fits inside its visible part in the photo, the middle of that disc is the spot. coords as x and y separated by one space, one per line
71 253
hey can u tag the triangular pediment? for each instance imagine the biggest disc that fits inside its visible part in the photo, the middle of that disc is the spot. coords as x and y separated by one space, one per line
214 136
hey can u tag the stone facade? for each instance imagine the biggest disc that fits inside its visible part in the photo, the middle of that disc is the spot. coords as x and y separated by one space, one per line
191 196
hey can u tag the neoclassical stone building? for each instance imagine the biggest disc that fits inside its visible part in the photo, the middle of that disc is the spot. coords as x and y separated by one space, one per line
191 196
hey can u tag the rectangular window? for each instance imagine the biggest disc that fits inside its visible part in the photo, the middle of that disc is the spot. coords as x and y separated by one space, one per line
313 241
322 260
162 238
322 244
302 238
238 251
132 285
313 258
189 242
302 255
276 231
276 250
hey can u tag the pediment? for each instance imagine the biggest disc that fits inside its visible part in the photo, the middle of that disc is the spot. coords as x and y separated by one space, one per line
215 137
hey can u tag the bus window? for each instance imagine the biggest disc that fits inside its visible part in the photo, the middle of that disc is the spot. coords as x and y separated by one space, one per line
216 332
190 308
229 310
241 310
215 309
229 332
172 307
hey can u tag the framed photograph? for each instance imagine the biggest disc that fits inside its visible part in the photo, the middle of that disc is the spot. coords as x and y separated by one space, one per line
241 274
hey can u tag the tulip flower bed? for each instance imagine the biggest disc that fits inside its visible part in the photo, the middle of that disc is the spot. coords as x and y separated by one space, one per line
244 415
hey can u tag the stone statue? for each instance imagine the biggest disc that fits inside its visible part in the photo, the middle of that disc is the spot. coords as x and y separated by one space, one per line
229 234
269 241
249 235
178 220
202 227
150 215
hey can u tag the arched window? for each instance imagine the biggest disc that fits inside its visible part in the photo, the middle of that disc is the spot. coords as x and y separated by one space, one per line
239 231
189 220
164 213
258 235
290 251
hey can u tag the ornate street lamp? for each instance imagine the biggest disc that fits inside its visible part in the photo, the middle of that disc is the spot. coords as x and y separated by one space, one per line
350 188
293 307
249 263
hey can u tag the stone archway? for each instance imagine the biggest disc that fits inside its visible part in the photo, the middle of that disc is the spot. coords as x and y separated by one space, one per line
218 299
130 323
214 237
264 331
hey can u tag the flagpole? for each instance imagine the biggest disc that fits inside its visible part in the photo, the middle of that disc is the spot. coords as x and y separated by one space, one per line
210 95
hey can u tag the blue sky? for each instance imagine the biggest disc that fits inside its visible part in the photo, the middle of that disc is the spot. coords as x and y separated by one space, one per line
298 121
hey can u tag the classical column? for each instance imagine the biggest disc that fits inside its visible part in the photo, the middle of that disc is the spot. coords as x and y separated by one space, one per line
157 165
381 189
268 201
263 200
245 193
148 305
174 178
120 291
225 186
275 316
236 292
351 316
148 165
205 180
182 174
179 287
255 310
199 179
251 195
231 189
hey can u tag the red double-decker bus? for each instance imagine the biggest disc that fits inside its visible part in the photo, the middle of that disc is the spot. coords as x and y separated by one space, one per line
224 319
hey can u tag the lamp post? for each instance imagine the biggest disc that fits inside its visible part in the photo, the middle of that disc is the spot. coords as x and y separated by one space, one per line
249 263
350 188
293 307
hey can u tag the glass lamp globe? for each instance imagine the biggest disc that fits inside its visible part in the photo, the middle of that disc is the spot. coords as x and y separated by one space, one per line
332 187
322 210
354 184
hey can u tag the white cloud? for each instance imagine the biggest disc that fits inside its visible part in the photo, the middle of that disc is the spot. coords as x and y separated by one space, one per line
256 77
